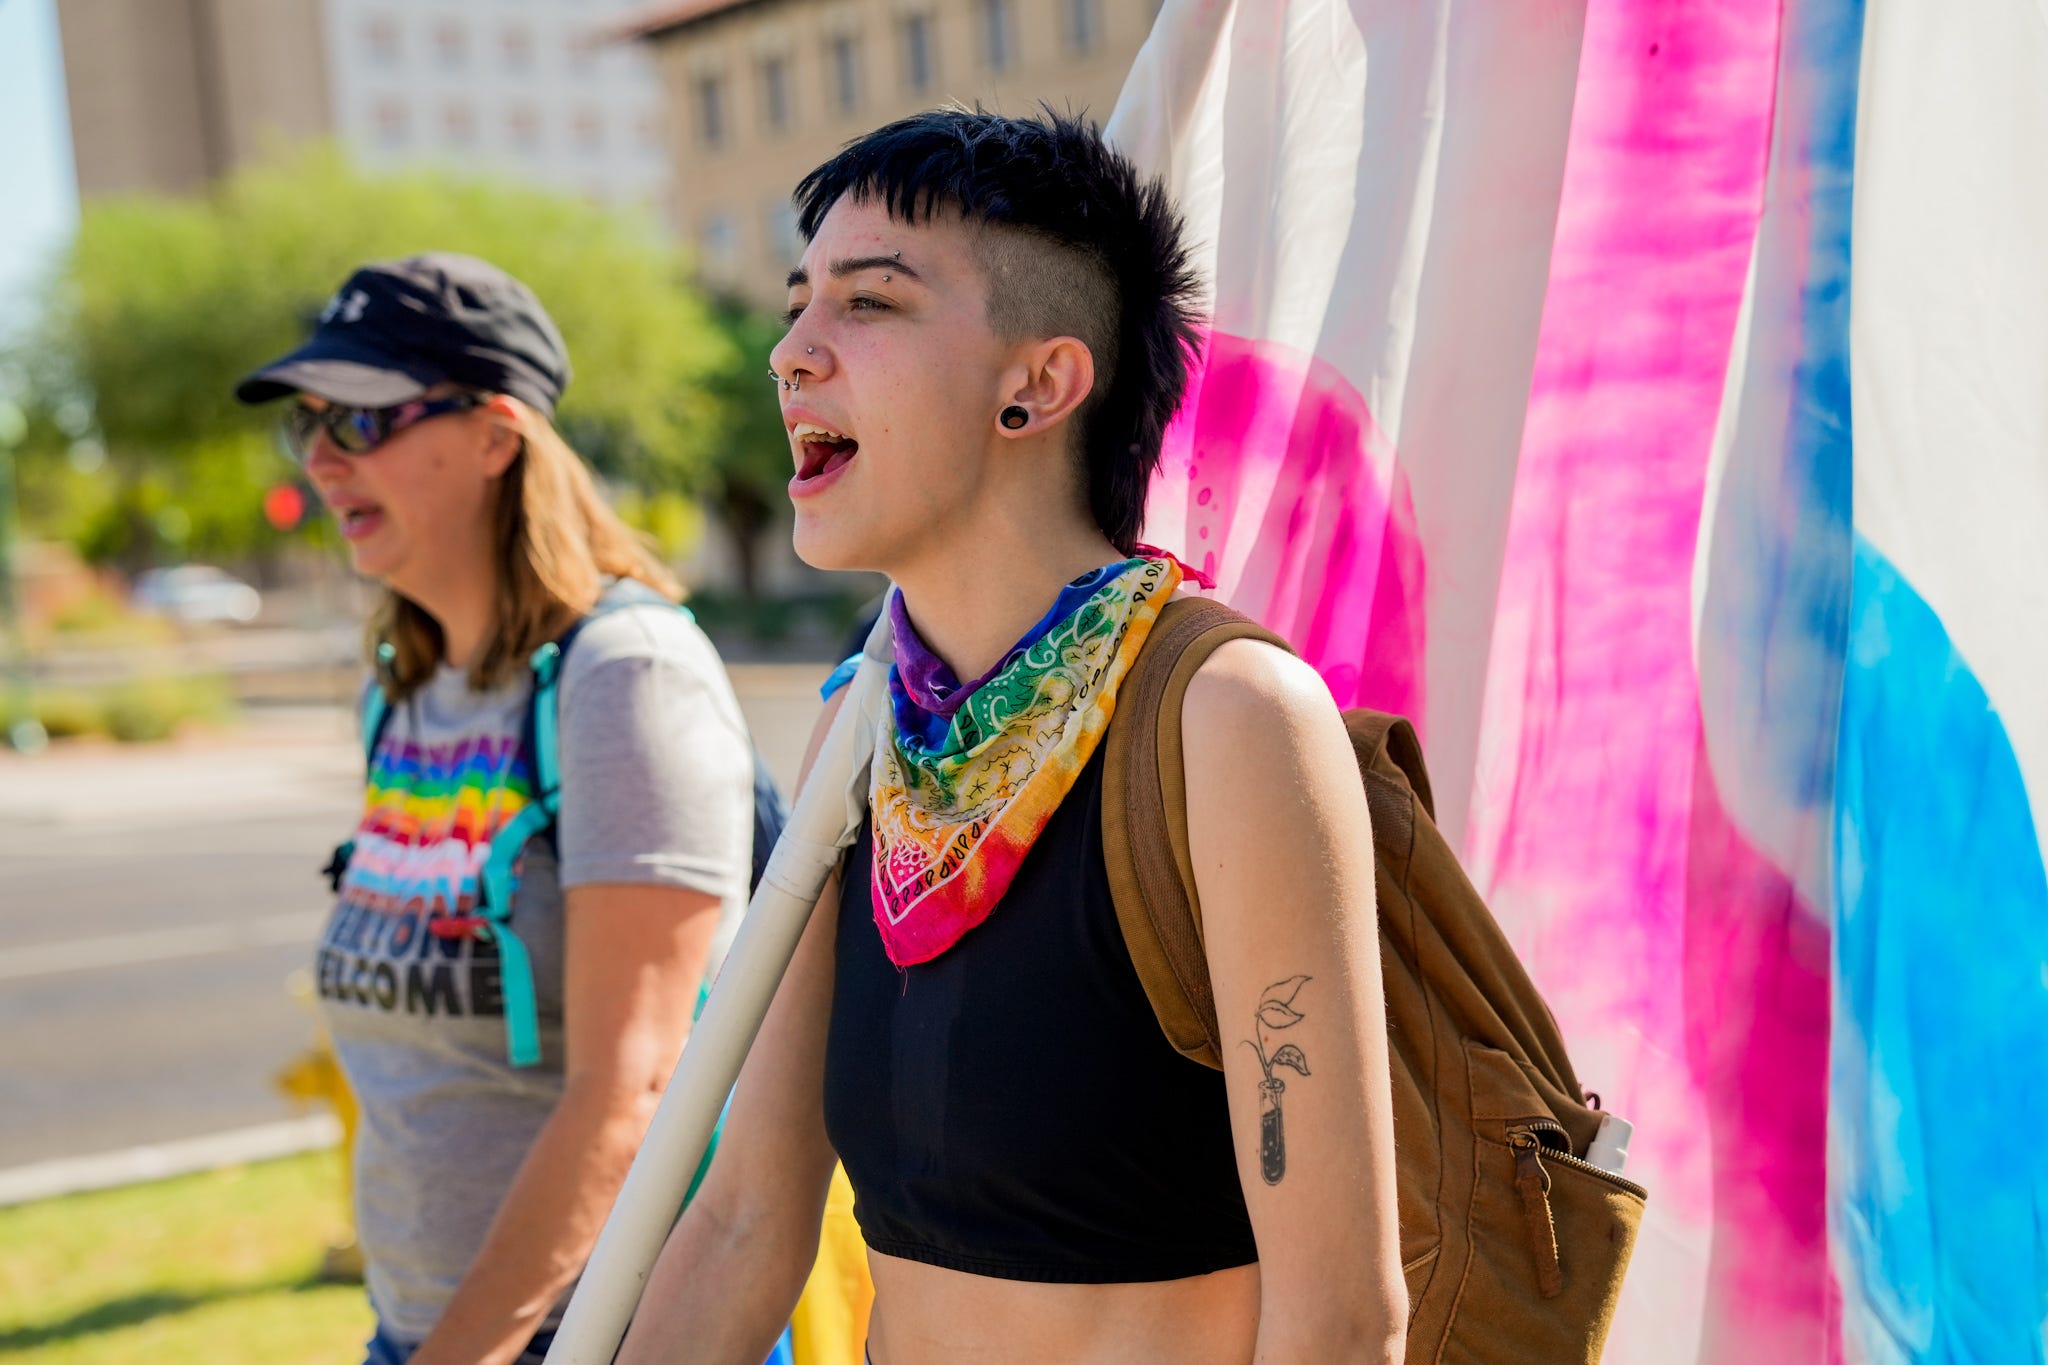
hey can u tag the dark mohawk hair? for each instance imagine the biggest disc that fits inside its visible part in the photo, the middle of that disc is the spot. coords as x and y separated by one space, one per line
1055 182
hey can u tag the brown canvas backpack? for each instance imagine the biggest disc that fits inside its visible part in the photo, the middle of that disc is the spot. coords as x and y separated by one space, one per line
1513 1247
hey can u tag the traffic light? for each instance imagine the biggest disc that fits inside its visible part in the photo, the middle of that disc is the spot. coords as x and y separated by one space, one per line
284 506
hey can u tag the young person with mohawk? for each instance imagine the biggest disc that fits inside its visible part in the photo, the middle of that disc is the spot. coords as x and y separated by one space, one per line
988 332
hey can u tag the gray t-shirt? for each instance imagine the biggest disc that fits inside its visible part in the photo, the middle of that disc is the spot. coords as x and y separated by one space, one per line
657 787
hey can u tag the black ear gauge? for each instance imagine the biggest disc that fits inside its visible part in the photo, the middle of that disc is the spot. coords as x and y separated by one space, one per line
1014 417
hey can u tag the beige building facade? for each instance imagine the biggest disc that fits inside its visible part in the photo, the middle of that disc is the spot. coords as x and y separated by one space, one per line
760 91
169 95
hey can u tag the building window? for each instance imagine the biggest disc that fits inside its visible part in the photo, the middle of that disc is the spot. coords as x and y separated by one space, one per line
451 44
523 124
380 36
711 110
844 54
458 124
782 230
918 71
518 46
720 245
392 121
775 93
1084 25
588 126
996 53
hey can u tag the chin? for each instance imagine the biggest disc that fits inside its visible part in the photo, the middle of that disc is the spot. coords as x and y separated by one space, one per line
823 546
373 562
843 544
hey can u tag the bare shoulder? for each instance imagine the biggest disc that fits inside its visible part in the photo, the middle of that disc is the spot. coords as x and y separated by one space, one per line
1250 688
1265 752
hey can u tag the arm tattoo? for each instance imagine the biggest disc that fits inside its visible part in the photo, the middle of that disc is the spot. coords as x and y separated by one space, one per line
1276 1011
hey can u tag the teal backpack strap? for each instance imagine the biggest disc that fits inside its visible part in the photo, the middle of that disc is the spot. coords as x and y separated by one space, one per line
515 966
376 709
501 865
718 1129
377 702
376 714
500 873
547 769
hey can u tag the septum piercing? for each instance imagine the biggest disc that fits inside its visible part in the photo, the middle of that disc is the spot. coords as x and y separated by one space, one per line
790 385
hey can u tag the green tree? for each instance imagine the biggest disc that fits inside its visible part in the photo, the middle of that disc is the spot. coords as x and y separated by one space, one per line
751 470
161 305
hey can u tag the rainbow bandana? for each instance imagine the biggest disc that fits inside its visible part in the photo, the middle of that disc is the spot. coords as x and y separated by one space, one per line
958 802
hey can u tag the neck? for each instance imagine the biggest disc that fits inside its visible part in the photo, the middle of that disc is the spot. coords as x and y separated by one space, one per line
463 606
971 620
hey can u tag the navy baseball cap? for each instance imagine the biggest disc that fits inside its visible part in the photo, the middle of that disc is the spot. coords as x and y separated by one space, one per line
397 328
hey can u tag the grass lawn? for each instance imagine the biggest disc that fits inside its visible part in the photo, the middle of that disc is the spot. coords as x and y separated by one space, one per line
217 1268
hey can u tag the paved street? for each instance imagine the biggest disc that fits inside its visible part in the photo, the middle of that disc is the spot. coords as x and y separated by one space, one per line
154 902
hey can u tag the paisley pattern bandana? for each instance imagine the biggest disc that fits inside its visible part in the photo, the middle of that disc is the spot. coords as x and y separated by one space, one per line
957 802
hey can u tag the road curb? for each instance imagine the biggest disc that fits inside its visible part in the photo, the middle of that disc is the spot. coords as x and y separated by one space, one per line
162 1160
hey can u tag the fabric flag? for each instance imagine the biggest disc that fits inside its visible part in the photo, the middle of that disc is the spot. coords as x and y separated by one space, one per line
1650 399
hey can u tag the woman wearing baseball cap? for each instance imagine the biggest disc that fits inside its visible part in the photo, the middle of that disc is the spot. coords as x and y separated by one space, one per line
507 992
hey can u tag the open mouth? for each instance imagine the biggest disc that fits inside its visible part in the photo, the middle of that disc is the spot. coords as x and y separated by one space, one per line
821 450
358 521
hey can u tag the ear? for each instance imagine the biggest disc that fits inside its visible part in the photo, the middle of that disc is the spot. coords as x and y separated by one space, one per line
501 434
1056 377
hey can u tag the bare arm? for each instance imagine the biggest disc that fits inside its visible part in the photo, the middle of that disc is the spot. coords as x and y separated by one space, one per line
1281 842
734 1266
633 958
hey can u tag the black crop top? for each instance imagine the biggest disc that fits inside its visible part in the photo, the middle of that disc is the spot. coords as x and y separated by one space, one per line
1011 1108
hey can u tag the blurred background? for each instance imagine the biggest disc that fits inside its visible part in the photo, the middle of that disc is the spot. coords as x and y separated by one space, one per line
182 183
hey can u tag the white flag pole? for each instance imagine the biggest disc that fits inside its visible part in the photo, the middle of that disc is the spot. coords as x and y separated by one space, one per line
825 821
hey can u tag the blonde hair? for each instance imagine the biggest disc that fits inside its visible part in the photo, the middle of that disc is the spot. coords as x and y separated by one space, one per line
557 540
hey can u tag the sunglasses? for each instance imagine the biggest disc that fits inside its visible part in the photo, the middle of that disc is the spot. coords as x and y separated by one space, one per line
358 431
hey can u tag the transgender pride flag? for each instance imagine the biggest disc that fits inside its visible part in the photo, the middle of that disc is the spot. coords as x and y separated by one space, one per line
1650 397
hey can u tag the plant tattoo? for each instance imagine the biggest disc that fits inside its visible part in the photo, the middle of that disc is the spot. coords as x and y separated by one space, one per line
1276 1011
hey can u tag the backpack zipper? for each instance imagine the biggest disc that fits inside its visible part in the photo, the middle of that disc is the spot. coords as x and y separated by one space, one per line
1534 1126
1532 1183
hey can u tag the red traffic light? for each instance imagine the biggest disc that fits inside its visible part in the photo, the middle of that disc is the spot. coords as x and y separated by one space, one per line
284 506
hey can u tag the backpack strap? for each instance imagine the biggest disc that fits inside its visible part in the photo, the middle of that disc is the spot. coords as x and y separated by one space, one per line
376 716
1145 835
1376 735
500 878
376 719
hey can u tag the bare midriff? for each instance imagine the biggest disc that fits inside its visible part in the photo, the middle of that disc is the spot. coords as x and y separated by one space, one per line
927 1315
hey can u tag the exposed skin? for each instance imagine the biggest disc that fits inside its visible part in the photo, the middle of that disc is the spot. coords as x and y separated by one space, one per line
633 954
980 527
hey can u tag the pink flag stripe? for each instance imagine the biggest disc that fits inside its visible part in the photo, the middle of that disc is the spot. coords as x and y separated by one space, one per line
1589 821
1277 483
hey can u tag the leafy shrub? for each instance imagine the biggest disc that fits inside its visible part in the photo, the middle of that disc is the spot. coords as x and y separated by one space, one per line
138 711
